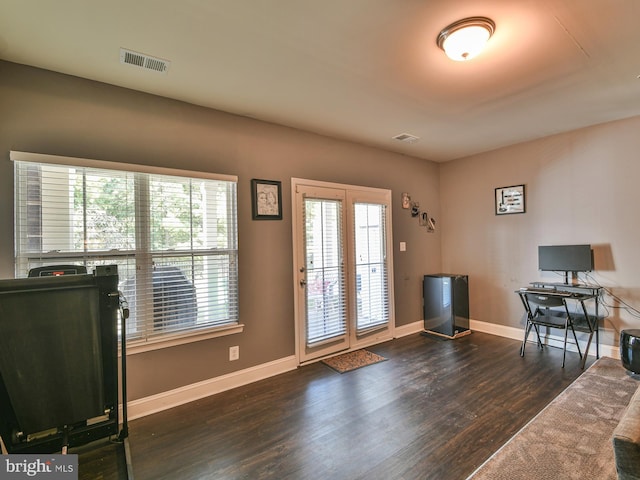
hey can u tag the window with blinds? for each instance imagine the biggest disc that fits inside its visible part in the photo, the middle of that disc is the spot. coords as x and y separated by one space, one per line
173 238
325 297
372 282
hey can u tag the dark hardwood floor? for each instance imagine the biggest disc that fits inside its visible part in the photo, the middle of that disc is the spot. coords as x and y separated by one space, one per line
436 409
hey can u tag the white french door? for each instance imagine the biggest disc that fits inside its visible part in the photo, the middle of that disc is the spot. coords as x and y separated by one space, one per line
342 267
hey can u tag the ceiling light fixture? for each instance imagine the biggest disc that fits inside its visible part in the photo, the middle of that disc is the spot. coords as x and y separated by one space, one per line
464 39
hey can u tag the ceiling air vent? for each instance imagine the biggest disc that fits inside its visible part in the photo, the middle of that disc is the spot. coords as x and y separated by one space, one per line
143 61
406 138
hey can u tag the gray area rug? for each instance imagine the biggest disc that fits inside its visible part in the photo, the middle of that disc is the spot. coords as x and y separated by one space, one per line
571 437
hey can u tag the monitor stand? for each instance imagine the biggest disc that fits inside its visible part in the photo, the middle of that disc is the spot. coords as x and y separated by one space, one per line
574 278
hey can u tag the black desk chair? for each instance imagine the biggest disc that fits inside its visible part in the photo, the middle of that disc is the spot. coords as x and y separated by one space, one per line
538 307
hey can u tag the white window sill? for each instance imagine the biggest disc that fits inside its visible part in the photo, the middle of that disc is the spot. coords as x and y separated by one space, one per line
138 346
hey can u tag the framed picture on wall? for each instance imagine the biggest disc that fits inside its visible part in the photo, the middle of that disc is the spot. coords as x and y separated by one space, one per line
510 200
266 199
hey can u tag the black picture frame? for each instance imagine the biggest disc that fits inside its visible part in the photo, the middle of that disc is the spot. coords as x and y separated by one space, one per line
510 200
266 199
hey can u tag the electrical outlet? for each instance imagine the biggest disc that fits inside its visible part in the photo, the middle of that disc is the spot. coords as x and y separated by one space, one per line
234 353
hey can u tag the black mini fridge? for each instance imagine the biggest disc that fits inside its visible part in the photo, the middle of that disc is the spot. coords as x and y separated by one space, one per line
446 304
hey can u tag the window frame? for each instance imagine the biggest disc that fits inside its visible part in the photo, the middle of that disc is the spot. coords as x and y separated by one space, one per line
169 338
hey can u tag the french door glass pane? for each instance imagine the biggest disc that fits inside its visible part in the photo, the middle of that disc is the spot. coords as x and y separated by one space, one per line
372 292
325 292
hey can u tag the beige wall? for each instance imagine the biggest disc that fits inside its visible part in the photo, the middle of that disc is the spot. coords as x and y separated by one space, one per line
45 112
581 187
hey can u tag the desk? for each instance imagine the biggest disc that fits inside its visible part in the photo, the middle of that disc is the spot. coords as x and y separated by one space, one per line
583 322
593 291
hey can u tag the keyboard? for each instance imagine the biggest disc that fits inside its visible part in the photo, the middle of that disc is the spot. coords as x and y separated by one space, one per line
545 291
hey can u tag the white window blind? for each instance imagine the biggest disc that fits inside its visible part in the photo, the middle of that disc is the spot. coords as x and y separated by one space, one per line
173 238
326 300
372 273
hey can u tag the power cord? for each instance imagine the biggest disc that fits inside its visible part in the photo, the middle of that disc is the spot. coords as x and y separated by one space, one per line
614 302
630 309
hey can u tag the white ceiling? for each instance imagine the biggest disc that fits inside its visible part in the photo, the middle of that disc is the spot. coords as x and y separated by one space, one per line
362 70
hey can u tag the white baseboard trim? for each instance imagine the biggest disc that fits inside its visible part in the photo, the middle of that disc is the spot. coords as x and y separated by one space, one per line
494 329
409 329
188 393
551 340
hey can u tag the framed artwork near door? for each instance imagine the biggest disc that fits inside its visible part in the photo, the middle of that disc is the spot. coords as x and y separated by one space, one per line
266 199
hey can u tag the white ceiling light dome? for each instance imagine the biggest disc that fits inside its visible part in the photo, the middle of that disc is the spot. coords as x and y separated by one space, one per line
464 39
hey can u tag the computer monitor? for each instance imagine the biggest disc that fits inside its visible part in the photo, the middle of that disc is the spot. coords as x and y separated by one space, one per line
565 258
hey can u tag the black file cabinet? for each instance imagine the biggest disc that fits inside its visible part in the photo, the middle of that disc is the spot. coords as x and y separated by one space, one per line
446 304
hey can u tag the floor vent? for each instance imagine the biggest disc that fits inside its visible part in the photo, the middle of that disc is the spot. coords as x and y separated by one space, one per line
406 138
144 61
